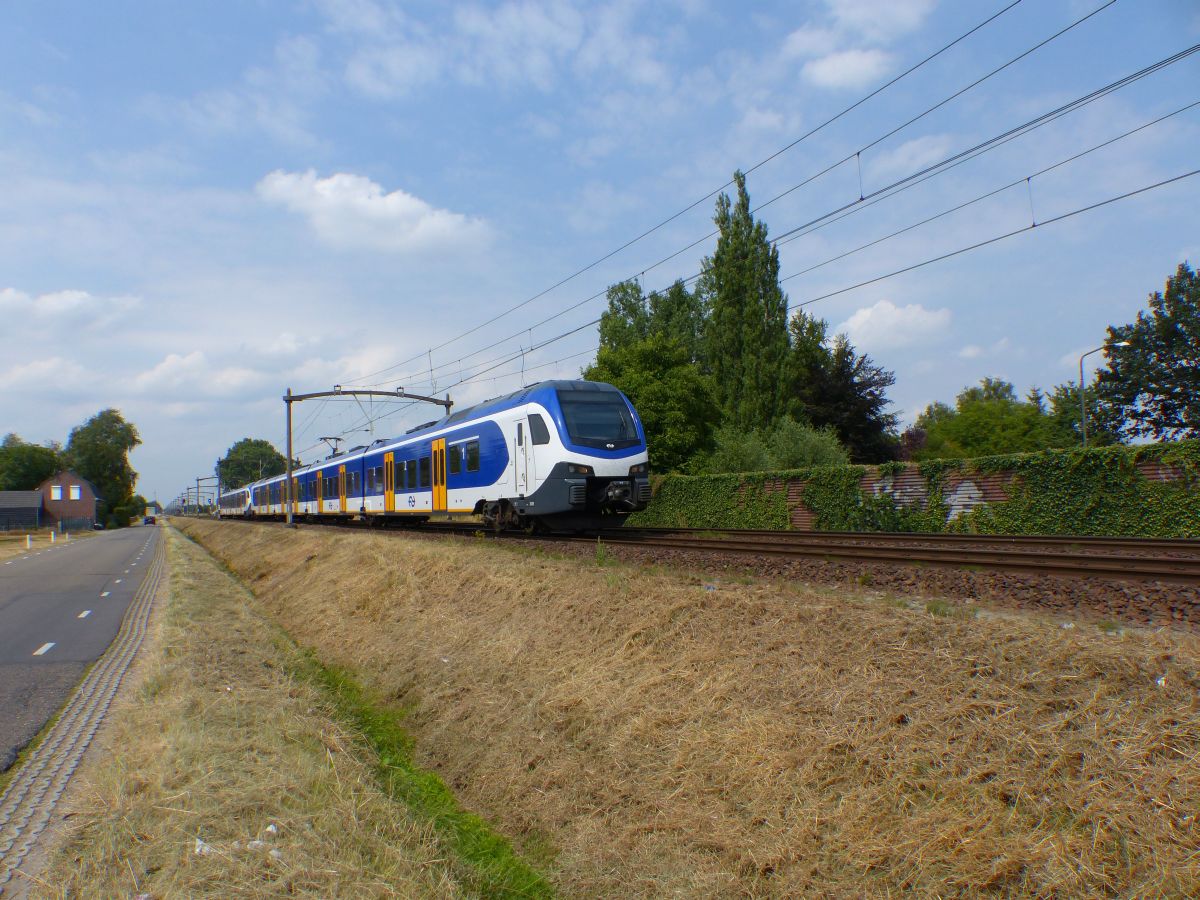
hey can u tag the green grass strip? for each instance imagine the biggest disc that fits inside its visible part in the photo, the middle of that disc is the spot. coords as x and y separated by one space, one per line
493 868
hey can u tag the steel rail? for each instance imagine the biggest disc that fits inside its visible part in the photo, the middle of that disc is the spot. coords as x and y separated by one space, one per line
1181 546
1081 564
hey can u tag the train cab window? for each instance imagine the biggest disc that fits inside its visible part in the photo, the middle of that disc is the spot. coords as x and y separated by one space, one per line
424 472
538 432
473 456
454 453
410 469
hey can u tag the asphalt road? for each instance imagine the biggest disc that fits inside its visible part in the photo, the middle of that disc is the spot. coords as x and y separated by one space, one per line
60 608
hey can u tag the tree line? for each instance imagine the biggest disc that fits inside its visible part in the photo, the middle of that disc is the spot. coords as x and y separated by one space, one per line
725 380
97 450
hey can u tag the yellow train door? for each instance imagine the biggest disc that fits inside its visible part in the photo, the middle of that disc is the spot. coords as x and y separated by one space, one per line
320 492
295 495
342 488
389 482
439 475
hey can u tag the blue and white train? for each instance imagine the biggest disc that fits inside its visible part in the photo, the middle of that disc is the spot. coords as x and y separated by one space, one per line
563 455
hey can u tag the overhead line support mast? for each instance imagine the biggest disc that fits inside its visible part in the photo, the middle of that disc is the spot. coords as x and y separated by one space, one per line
289 398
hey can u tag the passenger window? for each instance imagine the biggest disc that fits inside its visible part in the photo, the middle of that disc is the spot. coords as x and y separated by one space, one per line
455 458
411 470
520 434
423 472
473 456
538 433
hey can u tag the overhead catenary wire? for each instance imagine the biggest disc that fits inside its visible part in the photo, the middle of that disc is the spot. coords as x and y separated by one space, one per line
992 193
810 133
996 239
902 184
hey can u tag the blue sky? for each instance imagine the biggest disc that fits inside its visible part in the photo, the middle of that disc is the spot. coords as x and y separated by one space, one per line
203 204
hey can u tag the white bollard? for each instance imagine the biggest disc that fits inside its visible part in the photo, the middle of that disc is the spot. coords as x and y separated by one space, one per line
28 542
66 535
52 537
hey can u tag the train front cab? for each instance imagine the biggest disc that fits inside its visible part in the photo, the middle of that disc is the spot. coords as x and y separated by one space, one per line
604 476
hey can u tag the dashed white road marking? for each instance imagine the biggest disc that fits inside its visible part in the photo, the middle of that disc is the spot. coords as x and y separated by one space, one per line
106 593
44 649
84 614
118 581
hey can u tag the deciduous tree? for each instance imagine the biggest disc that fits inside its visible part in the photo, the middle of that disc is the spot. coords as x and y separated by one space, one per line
24 466
1151 388
830 385
99 451
249 460
987 419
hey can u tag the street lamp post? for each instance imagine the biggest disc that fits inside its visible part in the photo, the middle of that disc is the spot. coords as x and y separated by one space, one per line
1083 390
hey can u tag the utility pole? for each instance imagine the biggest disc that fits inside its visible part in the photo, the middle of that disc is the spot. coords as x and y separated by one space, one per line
289 398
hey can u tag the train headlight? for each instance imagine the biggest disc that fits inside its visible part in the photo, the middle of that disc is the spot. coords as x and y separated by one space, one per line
577 469
639 469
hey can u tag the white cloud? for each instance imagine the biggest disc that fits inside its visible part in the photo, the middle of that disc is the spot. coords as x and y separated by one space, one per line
514 44
393 70
186 377
911 156
77 307
880 19
847 68
352 211
275 99
806 42
974 351
886 325
54 373
755 119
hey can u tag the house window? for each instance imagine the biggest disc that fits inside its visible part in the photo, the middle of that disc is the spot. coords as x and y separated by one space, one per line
56 492
74 492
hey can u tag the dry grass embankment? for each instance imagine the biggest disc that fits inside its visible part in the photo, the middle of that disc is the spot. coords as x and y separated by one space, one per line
658 735
219 742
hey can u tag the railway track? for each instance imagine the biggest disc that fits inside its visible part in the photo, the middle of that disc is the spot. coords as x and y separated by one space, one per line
1114 559
1174 561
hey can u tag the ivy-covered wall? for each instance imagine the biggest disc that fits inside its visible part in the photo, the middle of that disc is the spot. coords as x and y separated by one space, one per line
1102 491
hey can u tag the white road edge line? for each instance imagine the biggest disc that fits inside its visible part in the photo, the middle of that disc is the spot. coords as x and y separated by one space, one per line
42 650
84 614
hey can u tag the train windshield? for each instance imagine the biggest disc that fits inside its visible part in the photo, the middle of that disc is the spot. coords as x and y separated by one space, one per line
598 419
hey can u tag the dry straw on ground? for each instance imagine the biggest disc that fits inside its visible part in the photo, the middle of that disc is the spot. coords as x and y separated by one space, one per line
12 543
224 777
663 735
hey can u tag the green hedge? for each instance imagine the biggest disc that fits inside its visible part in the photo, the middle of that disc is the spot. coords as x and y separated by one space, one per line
1098 491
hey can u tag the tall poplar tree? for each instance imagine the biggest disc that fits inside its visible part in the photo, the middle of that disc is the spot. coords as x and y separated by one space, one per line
747 332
